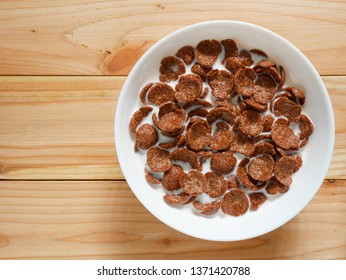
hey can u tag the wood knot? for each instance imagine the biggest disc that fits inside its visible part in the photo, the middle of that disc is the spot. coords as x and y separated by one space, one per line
166 242
3 169
122 60
3 241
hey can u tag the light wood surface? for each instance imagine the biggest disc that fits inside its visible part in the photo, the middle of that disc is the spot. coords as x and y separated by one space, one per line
102 220
62 193
92 37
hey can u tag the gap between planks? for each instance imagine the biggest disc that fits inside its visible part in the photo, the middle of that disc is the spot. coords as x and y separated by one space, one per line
72 180
110 76
330 180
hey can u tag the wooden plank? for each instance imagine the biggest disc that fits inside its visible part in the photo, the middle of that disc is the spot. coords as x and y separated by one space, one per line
93 37
337 90
62 127
104 220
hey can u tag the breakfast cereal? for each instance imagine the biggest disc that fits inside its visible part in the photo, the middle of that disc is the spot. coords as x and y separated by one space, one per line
228 149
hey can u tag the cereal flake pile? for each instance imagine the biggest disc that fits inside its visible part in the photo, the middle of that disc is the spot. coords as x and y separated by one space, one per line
243 136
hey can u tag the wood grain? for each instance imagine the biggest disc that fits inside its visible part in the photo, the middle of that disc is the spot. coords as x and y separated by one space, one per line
93 37
62 127
104 220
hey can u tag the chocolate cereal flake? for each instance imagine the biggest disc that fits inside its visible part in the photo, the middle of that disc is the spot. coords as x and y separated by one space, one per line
251 104
171 144
207 52
232 182
221 83
242 106
223 162
222 137
280 151
256 200
244 178
181 142
261 168
187 54
284 169
210 208
216 184
175 199
192 121
193 183
158 160
138 117
205 153
143 93
201 71
245 56
175 133
283 135
190 200
198 136
242 144
188 89
185 155
245 77
171 68
170 117
198 102
299 161
244 82
251 123
160 93
146 136
228 104
303 142
233 64
235 203
231 48
282 77
275 187
204 93
151 178
285 107
263 64
259 52
198 112
268 121
297 93
221 113
273 71
306 127
170 179
264 148
264 89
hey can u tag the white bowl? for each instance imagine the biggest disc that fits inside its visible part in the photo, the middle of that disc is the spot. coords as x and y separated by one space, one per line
316 155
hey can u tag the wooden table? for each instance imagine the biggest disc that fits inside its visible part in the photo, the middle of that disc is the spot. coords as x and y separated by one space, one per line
62 65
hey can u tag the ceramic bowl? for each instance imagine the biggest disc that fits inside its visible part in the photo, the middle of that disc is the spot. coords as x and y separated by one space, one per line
279 209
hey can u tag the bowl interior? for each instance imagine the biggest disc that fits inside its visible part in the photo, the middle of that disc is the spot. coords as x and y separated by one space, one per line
316 155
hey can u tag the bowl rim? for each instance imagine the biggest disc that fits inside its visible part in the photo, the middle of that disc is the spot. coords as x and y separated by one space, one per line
150 51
